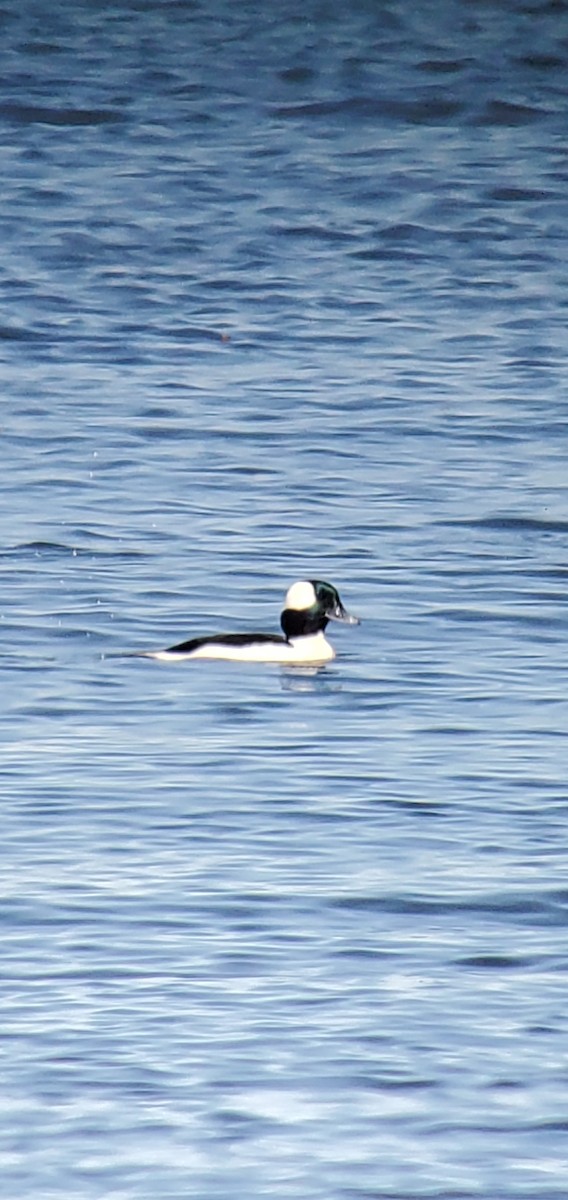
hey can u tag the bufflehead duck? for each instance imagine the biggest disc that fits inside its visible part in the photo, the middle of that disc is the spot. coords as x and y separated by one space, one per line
308 607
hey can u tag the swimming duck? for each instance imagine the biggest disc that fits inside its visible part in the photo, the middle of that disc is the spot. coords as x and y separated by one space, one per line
308 607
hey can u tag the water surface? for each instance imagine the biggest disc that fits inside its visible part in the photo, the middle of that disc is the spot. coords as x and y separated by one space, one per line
284 297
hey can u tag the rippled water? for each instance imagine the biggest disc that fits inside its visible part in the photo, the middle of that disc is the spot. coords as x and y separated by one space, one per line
284 295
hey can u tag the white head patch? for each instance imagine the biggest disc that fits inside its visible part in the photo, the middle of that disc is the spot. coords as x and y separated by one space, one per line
300 596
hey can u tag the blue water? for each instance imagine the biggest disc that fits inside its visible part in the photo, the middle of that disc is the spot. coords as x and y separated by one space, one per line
284 295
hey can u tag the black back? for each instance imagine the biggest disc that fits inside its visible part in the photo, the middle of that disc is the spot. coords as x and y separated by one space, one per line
225 639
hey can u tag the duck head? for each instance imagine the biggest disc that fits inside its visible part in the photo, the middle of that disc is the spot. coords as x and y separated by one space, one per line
308 607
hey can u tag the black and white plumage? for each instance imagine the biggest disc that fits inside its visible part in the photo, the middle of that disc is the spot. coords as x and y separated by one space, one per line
308 607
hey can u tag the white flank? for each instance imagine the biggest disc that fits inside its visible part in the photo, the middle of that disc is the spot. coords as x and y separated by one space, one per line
304 651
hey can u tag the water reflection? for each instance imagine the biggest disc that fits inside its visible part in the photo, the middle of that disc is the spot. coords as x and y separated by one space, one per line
308 679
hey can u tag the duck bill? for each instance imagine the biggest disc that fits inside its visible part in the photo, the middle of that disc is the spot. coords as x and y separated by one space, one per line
338 613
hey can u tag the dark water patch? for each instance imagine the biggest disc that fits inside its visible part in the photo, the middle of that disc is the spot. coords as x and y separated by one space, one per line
471 616
560 1126
406 231
37 550
429 111
45 196
317 233
418 805
30 114
559 572
514 195
41 49
451 731
20 660
504 1085
443 66
544 62
510 522
55 550
187 333
364 953
386 252
551 907
386 1083
13 333
503 113
472 341
297 74
497 962
366 1193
